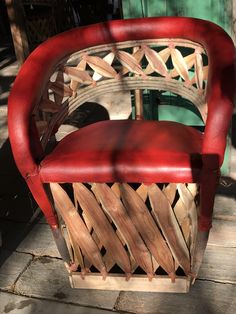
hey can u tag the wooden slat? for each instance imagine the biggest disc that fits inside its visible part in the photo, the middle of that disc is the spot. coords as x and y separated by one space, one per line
142 192
77 228
129 61
155 61
102 226
115 209
170 192
109 59
148 229
169 226
188 199
100 66
199 70
136 283
179 64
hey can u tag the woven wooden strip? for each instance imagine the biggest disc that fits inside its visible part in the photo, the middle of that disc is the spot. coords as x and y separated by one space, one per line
199 70
170 192
138 54
60 89
142 192
78 257
102 226
148 229
77 228
47 105
100 66
155 61
78 75
107 259
75 84
129 61
189 60
109 59
115 209
169 226
179 64
188 200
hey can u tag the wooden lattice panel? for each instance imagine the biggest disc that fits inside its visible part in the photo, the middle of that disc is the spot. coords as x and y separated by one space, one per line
177 66
128 230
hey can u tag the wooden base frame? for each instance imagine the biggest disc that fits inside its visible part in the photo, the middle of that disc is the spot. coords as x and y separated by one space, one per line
136 283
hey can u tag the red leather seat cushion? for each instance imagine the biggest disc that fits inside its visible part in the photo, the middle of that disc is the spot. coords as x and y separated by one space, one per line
131 151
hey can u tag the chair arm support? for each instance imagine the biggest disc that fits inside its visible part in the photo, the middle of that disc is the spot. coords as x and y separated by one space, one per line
220 99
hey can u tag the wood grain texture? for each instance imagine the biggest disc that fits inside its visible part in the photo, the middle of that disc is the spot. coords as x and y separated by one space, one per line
102 226
115 209
135 283
148 229
170 227
77 227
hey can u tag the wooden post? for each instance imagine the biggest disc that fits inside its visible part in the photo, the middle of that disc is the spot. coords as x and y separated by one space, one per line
15 13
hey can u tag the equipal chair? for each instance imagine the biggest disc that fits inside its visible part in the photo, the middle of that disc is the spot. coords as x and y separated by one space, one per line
129 200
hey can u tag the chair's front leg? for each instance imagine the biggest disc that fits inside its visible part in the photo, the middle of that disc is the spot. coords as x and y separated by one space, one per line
43 200
209 182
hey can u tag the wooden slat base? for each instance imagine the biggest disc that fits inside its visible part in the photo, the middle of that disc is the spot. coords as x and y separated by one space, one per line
135 283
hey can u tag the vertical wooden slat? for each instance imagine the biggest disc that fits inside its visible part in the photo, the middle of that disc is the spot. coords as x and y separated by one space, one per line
15 13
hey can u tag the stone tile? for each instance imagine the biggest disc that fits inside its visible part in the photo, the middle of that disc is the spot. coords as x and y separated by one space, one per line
15 304
39 242
205 297
12 264
223 233
219 264
47 278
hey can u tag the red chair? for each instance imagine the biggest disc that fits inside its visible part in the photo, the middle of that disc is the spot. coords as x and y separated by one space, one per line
126 198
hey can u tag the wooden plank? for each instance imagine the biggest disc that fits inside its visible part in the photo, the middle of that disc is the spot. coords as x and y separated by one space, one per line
15 304
47 278
204 297
15 13
223 233
12 264
135 283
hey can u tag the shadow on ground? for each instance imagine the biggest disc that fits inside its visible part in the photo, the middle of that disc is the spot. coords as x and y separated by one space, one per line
18 210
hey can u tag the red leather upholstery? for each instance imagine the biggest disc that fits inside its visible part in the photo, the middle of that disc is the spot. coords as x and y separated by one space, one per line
133 151
34 75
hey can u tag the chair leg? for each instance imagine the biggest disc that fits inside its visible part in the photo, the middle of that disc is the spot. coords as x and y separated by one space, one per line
207 195
198 254
43 199
40 195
